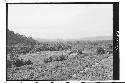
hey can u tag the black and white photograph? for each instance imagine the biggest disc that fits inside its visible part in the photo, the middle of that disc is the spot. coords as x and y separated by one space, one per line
61 42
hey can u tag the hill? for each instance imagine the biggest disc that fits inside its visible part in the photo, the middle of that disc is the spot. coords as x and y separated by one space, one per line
15 38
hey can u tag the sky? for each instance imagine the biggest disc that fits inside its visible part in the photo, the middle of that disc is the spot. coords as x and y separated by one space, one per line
61 21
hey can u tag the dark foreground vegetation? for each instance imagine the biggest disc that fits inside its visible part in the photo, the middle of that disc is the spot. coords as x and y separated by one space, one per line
28 59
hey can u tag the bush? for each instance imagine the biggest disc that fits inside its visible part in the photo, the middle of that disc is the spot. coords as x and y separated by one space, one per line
79 51
28 62
47 60
100 50
9 64
61 58
19 62
55 58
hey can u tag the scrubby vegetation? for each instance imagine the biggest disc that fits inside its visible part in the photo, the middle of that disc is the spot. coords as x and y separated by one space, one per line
100 50
28 59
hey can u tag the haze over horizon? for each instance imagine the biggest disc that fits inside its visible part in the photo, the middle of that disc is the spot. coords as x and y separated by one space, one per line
61 21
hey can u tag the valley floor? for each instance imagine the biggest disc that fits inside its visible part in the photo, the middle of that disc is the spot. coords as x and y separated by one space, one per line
86 66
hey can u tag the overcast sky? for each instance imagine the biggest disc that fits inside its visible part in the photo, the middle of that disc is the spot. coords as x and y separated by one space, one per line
61 21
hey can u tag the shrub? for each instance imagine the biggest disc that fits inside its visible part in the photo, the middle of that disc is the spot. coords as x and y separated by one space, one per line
27 62
47 60
79 51
100 50
9 64
19 62
55 58
61 58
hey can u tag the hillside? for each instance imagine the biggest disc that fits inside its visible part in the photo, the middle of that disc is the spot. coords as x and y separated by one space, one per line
15 38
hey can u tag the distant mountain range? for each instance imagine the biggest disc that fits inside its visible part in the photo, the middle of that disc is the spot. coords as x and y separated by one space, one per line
86 38
99 38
